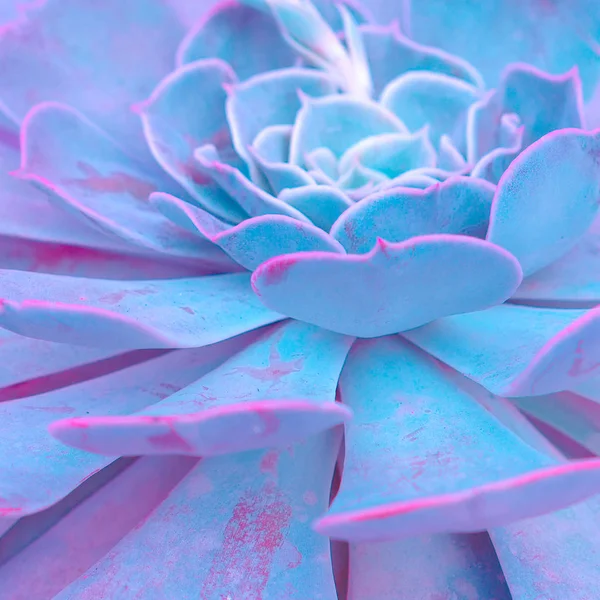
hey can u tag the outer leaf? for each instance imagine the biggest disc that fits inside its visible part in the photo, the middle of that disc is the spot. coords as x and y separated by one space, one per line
552 36
246 38
556 553
28 213
528 351
391 54
573 280
238 526
37 471
559 171
255 240
278 391
175 124
128 315
72 52
426 567
404 472
367 296
63 548
572 414
87 173
542 102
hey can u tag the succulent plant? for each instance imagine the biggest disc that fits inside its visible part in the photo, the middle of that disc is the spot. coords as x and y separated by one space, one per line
299 304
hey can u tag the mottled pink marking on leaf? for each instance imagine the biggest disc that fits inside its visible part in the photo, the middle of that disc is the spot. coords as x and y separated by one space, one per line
115 183
274 270
276 369
269 420
10 512
309 498
191 170
251 538
220 139
116 297
170 440
268 463
50 257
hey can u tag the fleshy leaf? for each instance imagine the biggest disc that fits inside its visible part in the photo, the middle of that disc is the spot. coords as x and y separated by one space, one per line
573 415
448 157
91 525
270 99
251 198
72 52
488 127
558 171
88 174
255 240
359 178
391 153
391 54
515 350
422 98
175 124
459 205
410 179
338 122
320 203
324 160
272 144
494 164
246 38
248 511
43 471
434 174
552 36
28 214
573 280
406 405
278 391
270 151
543 103
282 176
427 567
361 74
175 313
18 372
312 38
63 259
555 556
557 553
327 8
330 290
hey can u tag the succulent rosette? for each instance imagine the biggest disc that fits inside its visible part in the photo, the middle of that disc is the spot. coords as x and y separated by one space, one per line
297 306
